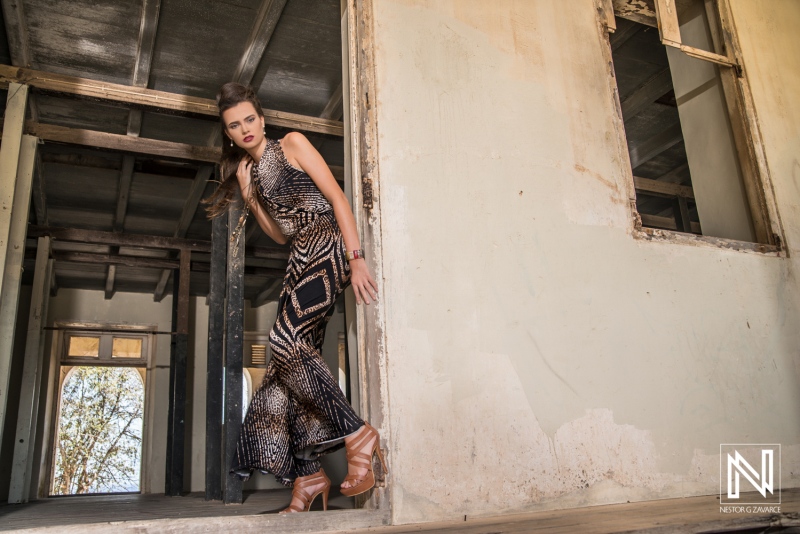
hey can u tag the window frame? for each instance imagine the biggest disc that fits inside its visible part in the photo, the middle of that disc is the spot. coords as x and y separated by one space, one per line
741 112
60 361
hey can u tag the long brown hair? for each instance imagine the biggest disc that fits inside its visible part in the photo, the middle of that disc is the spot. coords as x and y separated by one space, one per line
230 95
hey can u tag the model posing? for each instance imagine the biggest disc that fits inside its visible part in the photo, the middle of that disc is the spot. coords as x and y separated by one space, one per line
298 412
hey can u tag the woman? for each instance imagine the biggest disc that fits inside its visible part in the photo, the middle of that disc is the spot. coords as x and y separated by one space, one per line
298 412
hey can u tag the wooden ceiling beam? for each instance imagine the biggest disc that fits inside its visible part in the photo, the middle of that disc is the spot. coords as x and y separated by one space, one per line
125 179
142 97
266 20
39 195
655 145
122 143
662 188
187 214
96 237
144 57
19 42
333 109
653 89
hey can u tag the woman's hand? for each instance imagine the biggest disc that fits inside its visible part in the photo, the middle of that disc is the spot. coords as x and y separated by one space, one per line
243 174
363 285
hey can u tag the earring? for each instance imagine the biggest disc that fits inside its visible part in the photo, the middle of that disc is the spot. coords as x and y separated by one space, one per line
231 142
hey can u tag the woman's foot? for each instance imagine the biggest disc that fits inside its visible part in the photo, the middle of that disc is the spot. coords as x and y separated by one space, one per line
306 489
361 445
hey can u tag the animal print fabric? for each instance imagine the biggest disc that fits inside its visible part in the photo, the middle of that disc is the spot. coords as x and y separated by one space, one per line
298 412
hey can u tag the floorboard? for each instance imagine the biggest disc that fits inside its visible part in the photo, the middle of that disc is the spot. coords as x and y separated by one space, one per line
191 513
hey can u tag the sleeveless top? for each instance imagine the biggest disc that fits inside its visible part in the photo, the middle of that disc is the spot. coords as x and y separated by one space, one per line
289 195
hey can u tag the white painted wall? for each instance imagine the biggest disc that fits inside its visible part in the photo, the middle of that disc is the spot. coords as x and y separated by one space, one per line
569 364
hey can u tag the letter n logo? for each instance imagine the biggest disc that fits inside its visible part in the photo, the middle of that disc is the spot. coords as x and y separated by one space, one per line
761 477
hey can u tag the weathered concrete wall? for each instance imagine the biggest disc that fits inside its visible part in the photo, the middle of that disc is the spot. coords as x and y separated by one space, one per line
569 363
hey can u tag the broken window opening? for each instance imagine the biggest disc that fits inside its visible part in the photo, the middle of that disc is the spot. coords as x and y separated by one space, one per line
689 145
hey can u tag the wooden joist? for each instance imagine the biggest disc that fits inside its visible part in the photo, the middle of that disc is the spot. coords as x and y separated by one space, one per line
652 147
141 97
215 363
96 237
667 223
662 188
122 143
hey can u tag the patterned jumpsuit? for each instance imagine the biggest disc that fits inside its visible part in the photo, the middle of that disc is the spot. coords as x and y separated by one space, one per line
298 412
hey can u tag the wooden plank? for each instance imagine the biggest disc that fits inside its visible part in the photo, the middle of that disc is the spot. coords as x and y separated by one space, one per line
664 188
144 57
39 196
146 42
333 109
681 210
123 143
22 464
12 275
234 348
636 10
97 237
655 145
52 83
9 160
648 93
606 8
17 32
176 418
183 291
668 27
114 259
187 214
111 275
215 359
622 36
667 223
124 191
263 27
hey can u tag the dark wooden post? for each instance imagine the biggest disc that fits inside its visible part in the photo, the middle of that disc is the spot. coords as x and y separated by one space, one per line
216 360
176 439
234 329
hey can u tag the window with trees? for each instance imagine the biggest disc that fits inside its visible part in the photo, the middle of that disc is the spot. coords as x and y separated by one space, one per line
99 430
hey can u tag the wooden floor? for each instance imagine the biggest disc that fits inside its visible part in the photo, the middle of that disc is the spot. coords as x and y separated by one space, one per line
157 514
82 510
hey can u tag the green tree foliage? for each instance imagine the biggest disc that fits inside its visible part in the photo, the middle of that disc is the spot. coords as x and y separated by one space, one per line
100 431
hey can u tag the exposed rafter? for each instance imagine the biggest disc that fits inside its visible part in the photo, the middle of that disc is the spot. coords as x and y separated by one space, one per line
125 179
655 145
96 237
263 28
187 214
648 93
144 57
48 82
333 109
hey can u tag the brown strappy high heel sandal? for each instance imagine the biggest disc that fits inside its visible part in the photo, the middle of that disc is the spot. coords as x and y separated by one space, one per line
361 459
299 490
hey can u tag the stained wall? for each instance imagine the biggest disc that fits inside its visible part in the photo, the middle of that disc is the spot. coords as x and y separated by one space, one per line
538 355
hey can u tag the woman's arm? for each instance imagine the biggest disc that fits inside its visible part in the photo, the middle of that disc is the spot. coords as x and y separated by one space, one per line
300 152
263 219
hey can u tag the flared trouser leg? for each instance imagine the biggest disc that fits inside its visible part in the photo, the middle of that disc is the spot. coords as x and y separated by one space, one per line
299 411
